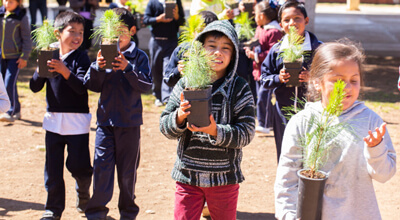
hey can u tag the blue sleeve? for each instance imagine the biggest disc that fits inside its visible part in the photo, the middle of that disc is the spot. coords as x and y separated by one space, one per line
149 17
270 69
138 73
94 78
76 78
171 74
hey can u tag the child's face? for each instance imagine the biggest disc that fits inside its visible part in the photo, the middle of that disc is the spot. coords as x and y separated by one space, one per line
125 38
11 5
222 48
259 17
293 17
348 72
71 37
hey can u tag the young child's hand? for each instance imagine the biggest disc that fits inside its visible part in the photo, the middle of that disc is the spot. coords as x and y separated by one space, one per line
304 75
120 62
59 67
175 12
283 76
101 62
210 129
161 18
181 66
182 113
374 138
229 13
21 63
249 53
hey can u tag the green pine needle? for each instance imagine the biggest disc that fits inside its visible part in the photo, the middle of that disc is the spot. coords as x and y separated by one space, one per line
109 27
295 50
194 25
197 69
43 35
244 26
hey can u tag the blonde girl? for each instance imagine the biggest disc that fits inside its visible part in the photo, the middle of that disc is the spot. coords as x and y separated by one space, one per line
349 192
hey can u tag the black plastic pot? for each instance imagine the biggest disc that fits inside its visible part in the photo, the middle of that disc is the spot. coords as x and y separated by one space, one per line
200 110
309 201
169 7
248 7
232 5
43 57
109 52
294 69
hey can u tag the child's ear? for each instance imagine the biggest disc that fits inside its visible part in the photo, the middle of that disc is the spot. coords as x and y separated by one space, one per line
132 31
307 20
57 34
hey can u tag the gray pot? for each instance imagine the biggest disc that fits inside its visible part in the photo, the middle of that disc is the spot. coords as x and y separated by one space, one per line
169 7
109 52
43 57
200 110
309 201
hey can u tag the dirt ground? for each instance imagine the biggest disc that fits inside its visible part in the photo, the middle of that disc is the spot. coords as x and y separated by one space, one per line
22 192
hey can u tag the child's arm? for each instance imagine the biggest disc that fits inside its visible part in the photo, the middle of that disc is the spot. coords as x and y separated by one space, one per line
172 73
380 154
95 76
26 42
36 83
150 18
137 73
270 70
286 181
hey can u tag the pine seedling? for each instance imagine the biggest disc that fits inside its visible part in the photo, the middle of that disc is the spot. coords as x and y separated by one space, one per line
43 35
295 48
197 71
244 26
109 28
194 25
324 132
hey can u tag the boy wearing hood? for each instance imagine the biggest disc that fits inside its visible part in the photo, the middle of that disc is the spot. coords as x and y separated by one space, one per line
208 158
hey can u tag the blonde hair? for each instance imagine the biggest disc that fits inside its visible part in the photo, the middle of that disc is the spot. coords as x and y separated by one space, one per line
325 58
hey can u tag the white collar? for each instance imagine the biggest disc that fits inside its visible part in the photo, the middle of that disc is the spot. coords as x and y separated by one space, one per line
63 57
306 44
57 45
130 48
272 25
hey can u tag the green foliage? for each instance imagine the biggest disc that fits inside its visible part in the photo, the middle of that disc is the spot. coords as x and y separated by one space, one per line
194 25
324 132
137 6
109 27
197 69
295 50
244 26
43 35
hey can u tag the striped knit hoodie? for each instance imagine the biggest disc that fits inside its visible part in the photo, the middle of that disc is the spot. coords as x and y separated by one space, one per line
204 160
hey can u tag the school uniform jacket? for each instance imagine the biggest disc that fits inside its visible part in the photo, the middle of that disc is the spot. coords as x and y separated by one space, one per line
204 160
15 38
66 95
120 102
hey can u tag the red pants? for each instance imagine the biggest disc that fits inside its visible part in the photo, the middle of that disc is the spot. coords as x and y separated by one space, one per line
221 201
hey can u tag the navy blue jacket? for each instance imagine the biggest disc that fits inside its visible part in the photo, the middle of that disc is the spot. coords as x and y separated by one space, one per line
171 73
120 102
66 95
167 30
270 74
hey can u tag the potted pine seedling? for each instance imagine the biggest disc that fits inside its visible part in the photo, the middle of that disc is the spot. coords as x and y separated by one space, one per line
169 7
109 31
194 25
233 5
245 30
293 56
248 7
43 37
321 138
198 78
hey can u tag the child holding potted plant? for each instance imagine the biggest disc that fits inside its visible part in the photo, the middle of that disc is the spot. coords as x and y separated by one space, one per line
67 120
16 44
231 128
163 41
268 33
350 161
274 76
119 116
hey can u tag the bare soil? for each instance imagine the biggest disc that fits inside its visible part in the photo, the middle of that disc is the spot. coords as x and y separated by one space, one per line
22 192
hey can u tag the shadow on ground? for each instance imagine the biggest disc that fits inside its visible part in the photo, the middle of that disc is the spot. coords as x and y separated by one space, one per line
255 216
10 205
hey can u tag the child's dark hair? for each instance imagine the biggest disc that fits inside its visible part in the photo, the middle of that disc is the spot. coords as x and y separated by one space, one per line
325 58
292 4
265 8
126 17
208 17
67 17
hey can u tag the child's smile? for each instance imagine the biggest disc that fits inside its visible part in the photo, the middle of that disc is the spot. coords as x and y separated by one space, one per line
222 49
293 17
71 37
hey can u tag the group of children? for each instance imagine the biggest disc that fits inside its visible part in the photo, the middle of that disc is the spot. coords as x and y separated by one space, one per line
208 163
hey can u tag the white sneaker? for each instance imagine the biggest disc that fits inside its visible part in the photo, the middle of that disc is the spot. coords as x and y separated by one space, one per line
6 117
260 129
158 103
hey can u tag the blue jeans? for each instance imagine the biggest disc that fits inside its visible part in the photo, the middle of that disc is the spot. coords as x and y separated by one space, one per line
34 5
10 71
